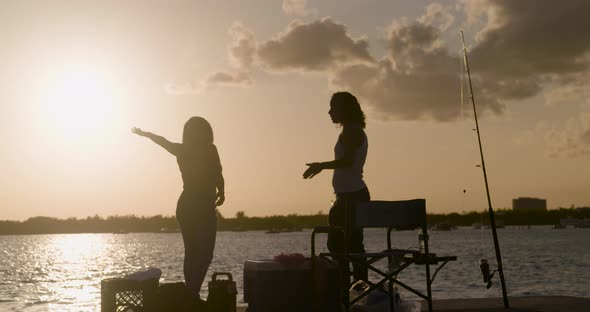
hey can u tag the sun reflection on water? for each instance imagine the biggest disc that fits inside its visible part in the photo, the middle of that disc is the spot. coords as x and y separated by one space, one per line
78 249
62 272
77 261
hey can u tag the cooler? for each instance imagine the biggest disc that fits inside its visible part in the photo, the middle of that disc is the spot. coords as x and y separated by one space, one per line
270 286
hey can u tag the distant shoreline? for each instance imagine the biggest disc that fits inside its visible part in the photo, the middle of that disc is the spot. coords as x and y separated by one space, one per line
163 224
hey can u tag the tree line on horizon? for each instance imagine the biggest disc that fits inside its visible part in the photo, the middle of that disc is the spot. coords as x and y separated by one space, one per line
241 222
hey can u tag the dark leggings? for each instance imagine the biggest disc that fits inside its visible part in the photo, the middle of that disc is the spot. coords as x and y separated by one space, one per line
198 222
354 234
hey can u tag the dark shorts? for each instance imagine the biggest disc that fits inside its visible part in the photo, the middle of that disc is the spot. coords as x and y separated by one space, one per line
342 213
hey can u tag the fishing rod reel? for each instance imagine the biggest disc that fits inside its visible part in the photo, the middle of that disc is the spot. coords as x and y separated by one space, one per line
485 271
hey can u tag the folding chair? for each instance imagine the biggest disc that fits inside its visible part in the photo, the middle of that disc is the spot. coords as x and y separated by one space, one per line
401 215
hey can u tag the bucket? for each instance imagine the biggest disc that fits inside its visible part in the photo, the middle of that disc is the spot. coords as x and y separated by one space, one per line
222 293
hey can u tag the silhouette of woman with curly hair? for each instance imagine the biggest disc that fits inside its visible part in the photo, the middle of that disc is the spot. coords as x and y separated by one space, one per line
350 153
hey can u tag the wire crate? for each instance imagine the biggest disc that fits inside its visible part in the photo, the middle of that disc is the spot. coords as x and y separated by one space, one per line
125 295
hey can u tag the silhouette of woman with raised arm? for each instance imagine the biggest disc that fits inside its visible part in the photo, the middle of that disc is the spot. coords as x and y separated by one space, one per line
350 153
200 168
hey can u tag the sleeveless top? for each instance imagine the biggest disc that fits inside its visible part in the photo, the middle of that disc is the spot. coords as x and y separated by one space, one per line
350 179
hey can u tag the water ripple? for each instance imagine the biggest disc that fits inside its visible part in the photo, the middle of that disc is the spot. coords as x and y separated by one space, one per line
63 272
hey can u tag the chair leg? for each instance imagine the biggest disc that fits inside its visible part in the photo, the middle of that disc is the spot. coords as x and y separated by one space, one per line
346 285
428 282
391 296
346 282
428 290
389 260
314 299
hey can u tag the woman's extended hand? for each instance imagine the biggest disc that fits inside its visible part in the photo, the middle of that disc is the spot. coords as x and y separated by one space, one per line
314 168
220 199
138 131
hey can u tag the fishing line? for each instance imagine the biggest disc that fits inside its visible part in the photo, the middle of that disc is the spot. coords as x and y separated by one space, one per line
461 73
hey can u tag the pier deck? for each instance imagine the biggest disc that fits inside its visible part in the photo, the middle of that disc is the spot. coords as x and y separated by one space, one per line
517 304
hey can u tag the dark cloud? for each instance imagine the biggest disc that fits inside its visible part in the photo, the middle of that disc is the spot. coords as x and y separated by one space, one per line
418 80
413 38
527 38
396 95
530 44
315 46
525 46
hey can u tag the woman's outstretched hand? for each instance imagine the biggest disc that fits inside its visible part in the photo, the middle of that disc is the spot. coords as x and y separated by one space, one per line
314 168
138 131
220 199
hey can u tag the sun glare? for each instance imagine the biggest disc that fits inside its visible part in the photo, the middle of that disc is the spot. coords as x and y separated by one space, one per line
78 103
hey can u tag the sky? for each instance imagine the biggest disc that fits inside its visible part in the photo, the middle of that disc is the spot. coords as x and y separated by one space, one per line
77 75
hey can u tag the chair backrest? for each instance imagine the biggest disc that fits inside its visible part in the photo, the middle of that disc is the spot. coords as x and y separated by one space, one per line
401 214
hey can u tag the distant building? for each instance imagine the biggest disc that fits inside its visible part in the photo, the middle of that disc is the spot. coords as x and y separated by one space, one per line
529 204
583 209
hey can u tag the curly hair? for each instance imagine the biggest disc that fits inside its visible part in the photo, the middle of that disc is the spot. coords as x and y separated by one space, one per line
350 106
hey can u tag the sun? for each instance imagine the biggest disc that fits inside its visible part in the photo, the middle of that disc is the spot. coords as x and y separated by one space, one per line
78 103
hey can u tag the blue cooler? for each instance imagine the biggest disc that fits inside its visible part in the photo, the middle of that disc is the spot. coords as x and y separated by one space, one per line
270 286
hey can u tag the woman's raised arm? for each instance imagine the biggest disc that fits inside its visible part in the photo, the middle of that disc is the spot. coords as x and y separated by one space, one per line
172 148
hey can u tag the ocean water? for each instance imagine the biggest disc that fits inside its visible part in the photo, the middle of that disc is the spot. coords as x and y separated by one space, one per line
63 272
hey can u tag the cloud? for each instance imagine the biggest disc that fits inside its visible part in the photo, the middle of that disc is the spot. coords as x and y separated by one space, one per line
392 94
298 8
179 88
528 136
243 47
439 15
242 54
405 40
522 48
315 46
418 79
575 88
566 139
534 37
227 79
572 141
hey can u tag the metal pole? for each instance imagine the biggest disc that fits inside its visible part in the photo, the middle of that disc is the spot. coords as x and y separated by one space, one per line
485 176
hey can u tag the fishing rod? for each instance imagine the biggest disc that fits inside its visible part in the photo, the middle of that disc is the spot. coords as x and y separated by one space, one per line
484 266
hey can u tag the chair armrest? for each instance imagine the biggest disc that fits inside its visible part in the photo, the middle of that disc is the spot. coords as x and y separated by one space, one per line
327 229
431 258
447 258
444 261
